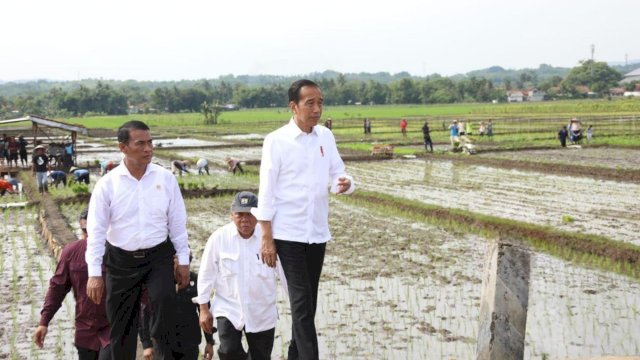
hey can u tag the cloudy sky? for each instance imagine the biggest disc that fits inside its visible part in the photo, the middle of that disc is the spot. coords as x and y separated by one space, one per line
193 39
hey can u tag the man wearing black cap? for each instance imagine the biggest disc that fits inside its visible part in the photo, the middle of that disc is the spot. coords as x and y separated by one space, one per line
245 288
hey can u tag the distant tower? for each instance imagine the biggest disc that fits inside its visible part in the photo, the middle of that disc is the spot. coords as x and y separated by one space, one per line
626 59
593 50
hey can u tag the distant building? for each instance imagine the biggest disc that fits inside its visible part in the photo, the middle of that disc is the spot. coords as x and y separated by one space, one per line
616 92
515 96
630 77
525 95
535 95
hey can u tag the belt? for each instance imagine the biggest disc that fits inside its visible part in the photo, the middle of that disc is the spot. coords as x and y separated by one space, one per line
139 254
143 253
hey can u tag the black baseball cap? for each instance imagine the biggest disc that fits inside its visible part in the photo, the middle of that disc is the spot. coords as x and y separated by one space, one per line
244 201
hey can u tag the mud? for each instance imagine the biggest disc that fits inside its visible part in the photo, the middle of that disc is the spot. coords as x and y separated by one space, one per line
397 289
573 168
26 269
569 203
610 158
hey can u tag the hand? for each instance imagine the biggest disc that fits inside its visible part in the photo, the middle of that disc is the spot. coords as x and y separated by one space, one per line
208 352
95 288
206 319
147 353
267 245
343 184
182 276
39 335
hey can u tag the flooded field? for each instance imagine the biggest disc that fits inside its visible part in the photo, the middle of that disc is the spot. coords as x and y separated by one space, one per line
393 288
407 290
598 207
217 156
25 269
186 142
613 158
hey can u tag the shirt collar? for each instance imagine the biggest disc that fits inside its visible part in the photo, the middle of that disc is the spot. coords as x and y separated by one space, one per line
292 129
122 169
236 233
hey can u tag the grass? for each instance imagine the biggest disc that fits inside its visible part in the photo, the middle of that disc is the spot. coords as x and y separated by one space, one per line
564 109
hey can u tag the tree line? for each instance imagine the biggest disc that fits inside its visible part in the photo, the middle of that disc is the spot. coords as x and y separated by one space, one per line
117 98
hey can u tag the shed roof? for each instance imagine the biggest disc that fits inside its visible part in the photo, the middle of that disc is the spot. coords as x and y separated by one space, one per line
50 123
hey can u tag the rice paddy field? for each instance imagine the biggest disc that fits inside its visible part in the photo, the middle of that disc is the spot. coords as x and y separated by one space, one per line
394 285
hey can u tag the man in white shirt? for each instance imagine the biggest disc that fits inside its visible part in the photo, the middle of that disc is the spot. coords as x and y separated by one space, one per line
300 162
245 288
137 222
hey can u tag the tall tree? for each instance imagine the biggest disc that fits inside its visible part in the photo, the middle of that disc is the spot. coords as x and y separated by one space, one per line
597 76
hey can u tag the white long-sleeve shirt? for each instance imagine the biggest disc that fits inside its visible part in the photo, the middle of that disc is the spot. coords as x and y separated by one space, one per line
297 172
135 214
245 288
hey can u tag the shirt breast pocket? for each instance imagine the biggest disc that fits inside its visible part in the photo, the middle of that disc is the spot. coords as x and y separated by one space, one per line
261 270
228 264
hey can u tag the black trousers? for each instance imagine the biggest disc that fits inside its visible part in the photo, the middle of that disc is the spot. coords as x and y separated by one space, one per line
127 273
260 344
302 265
427 141
87 354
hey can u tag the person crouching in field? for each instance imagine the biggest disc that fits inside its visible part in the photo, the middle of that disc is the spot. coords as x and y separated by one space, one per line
203 166
179 166
6 187
245 288
58 177
234 165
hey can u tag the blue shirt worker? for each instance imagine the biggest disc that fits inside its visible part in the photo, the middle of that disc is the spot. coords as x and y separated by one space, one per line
80 175
58 177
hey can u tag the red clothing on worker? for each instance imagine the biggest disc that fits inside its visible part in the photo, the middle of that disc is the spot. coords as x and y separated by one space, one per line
5 185
403 124
92 326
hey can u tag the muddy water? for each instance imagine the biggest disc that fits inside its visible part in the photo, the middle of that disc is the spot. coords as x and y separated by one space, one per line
243 137
598 207
613 158
579 313
186 142
29 267
217 156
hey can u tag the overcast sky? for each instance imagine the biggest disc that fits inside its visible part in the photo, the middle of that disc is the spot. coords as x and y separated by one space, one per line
194 39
